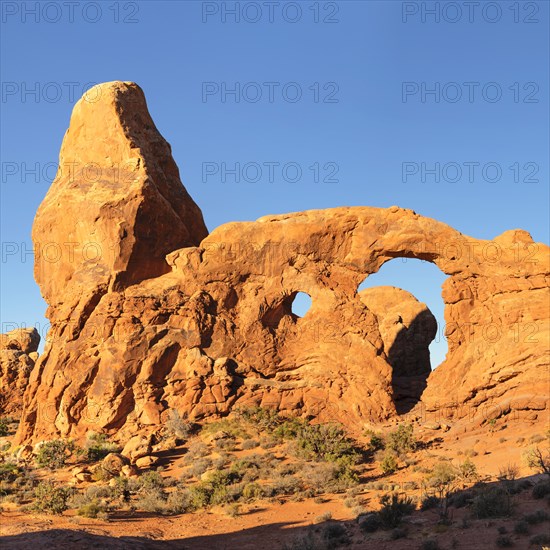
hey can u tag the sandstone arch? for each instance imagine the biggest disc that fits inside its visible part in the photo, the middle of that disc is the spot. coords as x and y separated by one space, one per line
130 339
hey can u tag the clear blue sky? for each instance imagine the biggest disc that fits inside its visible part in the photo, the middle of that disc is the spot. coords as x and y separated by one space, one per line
355 114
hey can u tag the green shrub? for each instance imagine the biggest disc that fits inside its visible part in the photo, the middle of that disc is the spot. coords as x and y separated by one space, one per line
388 464
370 522
252 491
538 516
521 528
335 534
50 498
393 509
150 481
4 427
326 442
98 446
430 544
92 510
376 441
398 533
153 501
401 440
430 502
541 489
492 502
264 420
54 454
179 501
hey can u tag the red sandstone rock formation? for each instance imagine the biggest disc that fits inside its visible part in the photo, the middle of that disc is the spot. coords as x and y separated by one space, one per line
18 353
164 321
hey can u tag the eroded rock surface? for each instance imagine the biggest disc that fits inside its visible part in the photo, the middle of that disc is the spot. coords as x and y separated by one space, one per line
168 322
18 353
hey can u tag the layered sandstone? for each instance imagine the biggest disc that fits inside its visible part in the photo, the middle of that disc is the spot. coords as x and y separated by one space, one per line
167 322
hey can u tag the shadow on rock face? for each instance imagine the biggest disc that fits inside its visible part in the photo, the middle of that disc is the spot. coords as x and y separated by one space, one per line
409 356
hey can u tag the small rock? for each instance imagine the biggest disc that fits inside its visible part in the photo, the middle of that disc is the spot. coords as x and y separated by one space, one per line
137 447
83 476
113 463
146 462
129 471
432 425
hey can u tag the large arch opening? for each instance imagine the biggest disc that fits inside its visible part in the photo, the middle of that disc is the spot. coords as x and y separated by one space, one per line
405 296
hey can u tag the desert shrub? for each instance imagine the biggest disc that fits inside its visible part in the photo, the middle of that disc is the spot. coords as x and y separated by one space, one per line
232 426
327 516
9 471
51 498
199 496
508 473
92 509
393 509
401 440
541 489
263 419
177 426
252 491
541 538
248 444
326 442
150 481
430 502
54 454
309 541
538 516
200 466
335 534
504 541
492 502
4 427
97 447
538 460
398 533
290 428
441 479
460 499
430 544
197 449
388 463
521 528
369 523
466 472
375 442
178 501
153 501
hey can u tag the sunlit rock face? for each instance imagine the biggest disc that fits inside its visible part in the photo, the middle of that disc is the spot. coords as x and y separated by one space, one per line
150 313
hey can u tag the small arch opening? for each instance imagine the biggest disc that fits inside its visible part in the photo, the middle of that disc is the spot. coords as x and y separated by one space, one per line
301 304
